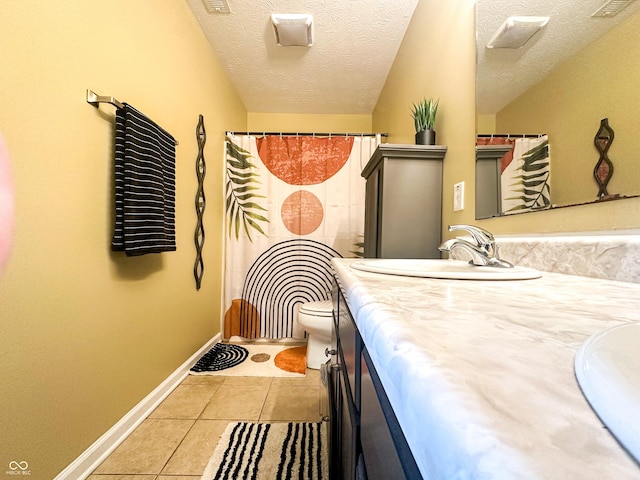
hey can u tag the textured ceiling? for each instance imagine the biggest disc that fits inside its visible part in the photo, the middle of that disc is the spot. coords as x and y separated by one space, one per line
502 74
355 44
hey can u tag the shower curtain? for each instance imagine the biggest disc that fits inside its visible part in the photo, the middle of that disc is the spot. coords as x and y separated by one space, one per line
292 203
525 179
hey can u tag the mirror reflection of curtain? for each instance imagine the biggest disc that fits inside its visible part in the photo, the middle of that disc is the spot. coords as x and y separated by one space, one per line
495 140
292 203
525 178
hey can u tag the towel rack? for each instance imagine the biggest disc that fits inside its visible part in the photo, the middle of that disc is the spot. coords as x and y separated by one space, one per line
94 99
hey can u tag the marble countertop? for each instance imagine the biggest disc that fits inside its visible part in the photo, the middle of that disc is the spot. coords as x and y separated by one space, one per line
480 373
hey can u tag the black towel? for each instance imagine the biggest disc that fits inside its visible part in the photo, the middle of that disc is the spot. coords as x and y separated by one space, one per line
145 185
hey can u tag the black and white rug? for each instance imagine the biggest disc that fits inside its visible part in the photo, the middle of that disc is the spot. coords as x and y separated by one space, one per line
252 360
221 357
270 451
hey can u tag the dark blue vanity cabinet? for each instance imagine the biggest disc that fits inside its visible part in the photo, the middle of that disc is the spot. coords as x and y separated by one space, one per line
366 441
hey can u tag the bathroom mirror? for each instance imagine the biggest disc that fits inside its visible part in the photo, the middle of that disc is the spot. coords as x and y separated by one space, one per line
576 71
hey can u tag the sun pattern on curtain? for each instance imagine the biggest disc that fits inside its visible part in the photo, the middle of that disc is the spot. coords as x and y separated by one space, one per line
292 203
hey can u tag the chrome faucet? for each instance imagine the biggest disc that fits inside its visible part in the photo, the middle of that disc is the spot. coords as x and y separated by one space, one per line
484 251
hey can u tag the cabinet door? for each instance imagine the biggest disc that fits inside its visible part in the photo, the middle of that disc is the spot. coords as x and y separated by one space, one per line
343 447
488 196
343 429
410 209
335 417
349 349
349 435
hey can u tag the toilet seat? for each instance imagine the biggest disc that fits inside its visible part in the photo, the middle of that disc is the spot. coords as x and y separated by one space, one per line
322 308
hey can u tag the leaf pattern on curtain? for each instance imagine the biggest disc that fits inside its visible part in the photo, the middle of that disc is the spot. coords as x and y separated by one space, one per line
530 181
242 183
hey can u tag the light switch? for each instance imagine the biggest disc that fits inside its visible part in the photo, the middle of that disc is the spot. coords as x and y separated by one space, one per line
458 196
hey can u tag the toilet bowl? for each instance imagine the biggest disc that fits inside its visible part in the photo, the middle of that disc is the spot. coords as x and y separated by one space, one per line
315 318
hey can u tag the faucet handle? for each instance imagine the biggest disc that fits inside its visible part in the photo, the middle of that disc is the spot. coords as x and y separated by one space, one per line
482 237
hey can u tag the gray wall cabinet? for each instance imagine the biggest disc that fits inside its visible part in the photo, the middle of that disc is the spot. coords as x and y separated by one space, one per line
488 190
403 205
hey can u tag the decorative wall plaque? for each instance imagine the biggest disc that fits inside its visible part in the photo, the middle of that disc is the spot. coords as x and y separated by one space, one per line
201 168
604 168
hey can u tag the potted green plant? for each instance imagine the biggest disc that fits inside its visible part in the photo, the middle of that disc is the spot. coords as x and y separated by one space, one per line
424 118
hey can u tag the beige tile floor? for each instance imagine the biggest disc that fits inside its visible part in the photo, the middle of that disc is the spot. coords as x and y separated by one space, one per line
177 439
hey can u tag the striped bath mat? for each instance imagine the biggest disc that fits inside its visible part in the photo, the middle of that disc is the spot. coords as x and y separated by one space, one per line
270 451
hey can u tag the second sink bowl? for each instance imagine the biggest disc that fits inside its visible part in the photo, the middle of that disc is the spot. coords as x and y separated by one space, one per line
607 367
447 269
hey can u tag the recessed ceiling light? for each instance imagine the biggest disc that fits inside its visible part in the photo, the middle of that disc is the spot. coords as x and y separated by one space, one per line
515 32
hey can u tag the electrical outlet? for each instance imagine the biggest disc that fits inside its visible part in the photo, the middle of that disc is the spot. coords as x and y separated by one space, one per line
458 196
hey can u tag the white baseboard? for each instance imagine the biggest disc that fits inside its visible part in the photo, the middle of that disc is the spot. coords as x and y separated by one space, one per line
93 456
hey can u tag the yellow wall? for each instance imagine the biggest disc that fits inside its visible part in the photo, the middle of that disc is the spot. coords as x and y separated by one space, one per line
486 124
86 333
292 122
599 82
437 59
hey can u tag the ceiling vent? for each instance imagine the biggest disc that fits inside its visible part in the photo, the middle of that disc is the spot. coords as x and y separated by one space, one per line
217 6
515 32
293 29
611 8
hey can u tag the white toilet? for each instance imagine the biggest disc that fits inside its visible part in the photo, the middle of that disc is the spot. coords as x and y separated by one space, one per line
315 318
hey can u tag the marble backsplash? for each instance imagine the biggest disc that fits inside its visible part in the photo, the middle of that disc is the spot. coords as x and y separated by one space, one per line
606 256
609 256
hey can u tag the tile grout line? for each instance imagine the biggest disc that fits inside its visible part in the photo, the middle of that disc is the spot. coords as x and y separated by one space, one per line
264 402
198 417
176 449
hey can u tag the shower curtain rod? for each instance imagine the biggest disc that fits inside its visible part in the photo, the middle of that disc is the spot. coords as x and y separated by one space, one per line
94 99
310 134
515 135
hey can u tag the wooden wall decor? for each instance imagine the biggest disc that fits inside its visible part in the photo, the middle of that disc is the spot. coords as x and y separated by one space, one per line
604 168
200 203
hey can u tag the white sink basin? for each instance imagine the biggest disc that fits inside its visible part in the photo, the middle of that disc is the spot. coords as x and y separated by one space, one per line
607 367
450 269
